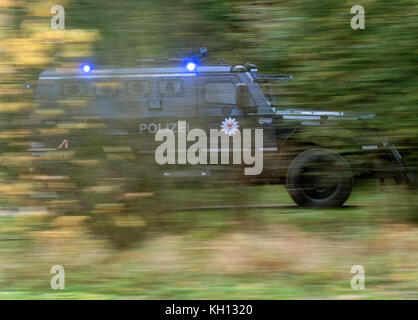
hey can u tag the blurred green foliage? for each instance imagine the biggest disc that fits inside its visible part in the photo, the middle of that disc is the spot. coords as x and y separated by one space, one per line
334 68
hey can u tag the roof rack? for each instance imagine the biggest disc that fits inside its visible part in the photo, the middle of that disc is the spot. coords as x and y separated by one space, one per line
201 56
263 79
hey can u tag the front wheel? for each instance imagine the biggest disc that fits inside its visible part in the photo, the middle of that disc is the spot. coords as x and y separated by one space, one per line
319 178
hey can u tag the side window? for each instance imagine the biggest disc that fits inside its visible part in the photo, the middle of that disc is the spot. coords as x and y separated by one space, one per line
220 92
169 87
107 90
137 88
73 89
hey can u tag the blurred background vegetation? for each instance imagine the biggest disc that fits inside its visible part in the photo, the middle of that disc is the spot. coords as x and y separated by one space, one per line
284 252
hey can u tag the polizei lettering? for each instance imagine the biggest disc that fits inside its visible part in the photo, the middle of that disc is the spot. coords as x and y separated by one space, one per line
153 127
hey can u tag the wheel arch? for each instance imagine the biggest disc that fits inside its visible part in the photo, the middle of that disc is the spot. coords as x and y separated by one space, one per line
333 138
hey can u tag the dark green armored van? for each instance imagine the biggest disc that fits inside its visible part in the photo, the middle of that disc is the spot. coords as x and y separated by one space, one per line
109 122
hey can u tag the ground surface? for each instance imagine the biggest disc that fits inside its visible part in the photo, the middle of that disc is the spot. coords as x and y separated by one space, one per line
203 253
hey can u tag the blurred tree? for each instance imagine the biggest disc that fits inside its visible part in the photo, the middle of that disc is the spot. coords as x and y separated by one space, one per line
335 67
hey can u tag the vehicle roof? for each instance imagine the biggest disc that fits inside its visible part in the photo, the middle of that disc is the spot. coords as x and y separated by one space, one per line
60 73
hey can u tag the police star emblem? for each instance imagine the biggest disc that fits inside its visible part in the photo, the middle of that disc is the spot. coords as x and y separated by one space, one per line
229 126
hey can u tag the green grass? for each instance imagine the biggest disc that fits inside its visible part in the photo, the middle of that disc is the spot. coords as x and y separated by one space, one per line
283 253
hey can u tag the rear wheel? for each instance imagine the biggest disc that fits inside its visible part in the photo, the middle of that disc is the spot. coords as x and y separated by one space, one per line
319 178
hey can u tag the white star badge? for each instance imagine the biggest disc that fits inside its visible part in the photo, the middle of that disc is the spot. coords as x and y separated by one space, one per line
229 126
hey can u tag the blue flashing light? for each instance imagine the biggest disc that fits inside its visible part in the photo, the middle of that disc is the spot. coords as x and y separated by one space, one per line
191 66
86 68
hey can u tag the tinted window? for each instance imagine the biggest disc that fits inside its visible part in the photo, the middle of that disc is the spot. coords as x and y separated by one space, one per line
220 92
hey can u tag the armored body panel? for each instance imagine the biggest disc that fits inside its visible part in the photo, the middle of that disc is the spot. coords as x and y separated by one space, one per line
113 115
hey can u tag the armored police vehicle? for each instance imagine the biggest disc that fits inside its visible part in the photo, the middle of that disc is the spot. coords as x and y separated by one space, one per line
119 118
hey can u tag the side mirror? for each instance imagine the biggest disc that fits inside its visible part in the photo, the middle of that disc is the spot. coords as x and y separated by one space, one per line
243 98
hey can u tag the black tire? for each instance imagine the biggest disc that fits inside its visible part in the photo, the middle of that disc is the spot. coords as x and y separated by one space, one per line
319 178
